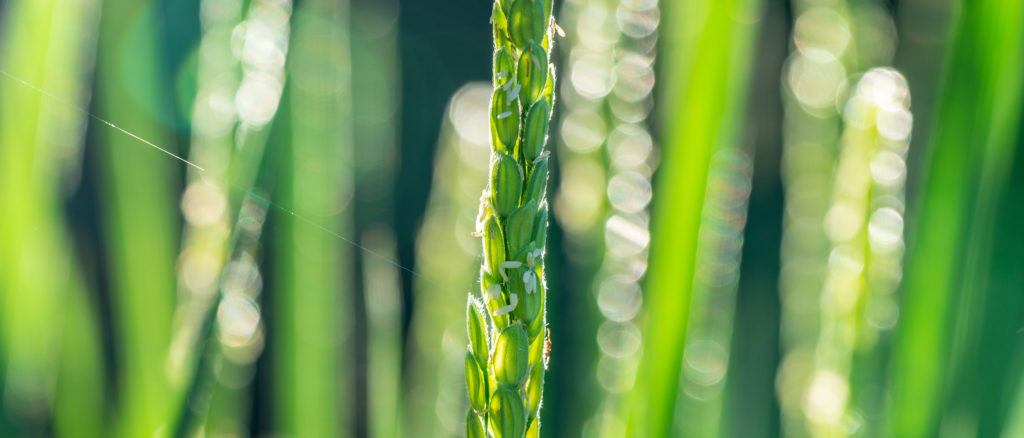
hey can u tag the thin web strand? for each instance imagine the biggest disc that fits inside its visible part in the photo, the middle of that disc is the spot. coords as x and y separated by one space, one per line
316 225
205 176
100 119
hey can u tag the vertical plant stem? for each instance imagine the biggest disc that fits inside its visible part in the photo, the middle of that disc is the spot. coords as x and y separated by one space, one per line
996 365
707 352
51 339
231 355
384 350
219 255
751 406
375 69
818 353
865 228
704 105
606 158
582 210
973 140
313 290
138 183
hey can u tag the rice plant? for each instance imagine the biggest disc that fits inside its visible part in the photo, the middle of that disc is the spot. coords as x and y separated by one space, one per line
263 218
507 329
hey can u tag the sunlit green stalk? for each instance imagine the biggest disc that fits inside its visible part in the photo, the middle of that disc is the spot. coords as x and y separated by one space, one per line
51 346
703 106
582 208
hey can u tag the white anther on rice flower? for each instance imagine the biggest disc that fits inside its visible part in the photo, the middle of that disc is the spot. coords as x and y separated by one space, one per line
531 258
479 230
514 93
485 205
526 397
508 265
511 232
510 307
493 292
530 281
522 174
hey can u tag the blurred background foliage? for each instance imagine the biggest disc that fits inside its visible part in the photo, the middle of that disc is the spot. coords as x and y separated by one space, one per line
254 217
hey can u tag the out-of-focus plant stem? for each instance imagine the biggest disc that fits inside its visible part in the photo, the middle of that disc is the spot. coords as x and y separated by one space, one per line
313 314
140 222
52 355
375 69
238 93
950 238
447 262
704 105
606 156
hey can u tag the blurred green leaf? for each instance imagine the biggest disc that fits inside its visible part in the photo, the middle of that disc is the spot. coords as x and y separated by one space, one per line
951 239
139 216
314 306
52 350
707 52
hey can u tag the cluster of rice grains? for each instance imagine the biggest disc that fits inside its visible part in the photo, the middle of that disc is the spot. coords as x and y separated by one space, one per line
506 360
